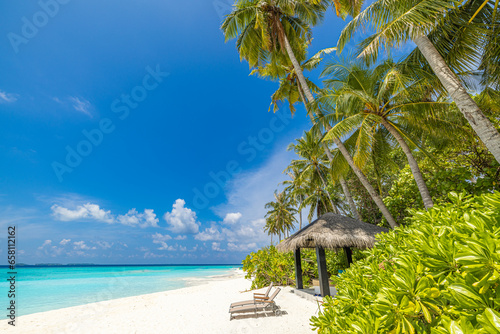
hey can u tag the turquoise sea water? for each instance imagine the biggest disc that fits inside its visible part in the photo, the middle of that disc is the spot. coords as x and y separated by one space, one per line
49 288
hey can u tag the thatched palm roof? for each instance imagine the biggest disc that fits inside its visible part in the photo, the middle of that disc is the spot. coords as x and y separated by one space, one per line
333 231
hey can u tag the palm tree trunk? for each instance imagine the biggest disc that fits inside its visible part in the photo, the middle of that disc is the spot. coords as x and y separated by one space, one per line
417 174
326 187
300 216
362 177
341 211
348 195
364 180
345 188
271 239
480 123
377 175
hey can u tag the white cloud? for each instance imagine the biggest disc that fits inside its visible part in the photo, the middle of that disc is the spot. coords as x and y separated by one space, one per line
216 247
232 218
94 212
244 233
46 243
64 241
182 220
211 233
80 245
7 97
134 218
161 240
86 211
181 237
149 255
104 244
161 237
81 105
242 247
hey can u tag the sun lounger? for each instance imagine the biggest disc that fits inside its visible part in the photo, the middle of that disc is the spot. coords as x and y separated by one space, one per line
257 297
264 305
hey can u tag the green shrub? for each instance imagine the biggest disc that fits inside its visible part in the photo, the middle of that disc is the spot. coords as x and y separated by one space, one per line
268 265
439 275
404 194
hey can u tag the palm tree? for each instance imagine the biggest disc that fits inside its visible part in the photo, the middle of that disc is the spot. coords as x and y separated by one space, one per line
295 190
281 216
368 99
291 91
312 166
265 28
396 22
271 228
359 173
318 200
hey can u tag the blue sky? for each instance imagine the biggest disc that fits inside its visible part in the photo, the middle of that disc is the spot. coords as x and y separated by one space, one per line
131 133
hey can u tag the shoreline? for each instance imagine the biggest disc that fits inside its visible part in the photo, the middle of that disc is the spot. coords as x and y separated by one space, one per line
200 308
117 286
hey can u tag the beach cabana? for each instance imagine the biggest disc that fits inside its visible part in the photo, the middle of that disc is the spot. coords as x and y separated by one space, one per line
331 231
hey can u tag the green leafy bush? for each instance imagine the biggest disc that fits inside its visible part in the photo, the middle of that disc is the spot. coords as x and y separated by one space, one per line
268 265
404 194
439 275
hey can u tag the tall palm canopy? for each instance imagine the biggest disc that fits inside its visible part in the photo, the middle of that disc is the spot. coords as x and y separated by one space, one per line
395 22
267 30
262 26
371 102
280 218
313 174
289 88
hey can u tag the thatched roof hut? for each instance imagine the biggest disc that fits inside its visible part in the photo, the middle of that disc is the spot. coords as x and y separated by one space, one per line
329 231
333 231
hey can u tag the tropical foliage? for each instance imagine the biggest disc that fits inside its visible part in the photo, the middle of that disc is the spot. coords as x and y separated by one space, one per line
440 275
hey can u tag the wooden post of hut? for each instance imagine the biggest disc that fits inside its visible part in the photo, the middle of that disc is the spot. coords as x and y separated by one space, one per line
298 269
348 254
324 286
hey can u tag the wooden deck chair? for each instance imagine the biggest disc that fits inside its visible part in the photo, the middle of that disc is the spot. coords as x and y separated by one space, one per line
264 305
257 297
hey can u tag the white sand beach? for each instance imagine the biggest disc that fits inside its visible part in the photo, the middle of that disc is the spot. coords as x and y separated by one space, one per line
202 308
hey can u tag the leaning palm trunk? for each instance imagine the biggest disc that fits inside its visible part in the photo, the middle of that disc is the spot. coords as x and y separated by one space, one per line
364 180
480 123
345 188
326 190
362 177
348 195
300 215
417 174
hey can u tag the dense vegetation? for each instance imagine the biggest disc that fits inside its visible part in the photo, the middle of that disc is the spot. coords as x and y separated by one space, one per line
268 265
440 274
391 143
